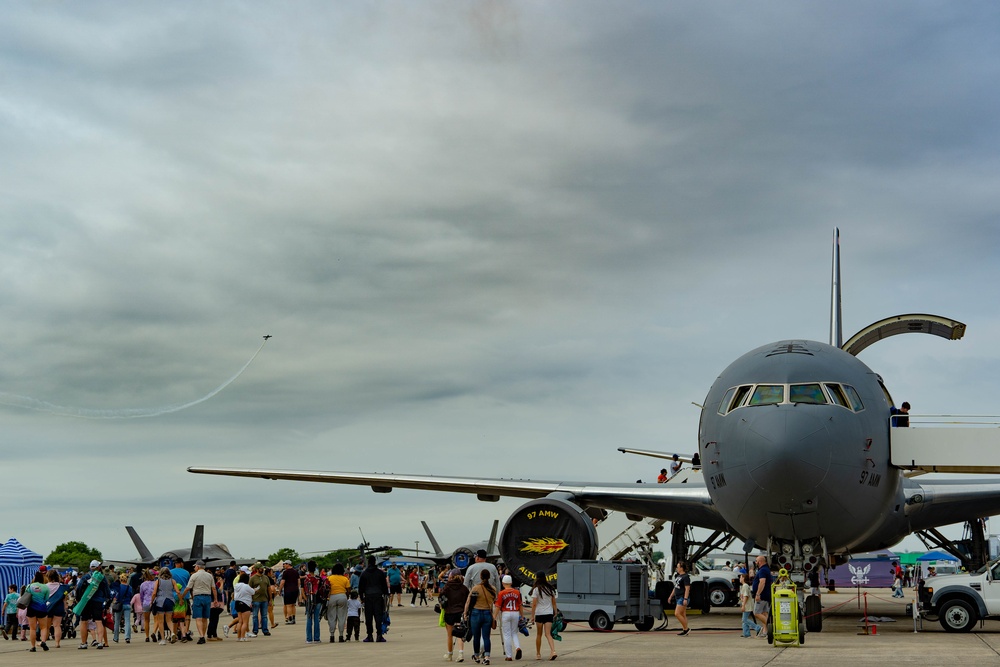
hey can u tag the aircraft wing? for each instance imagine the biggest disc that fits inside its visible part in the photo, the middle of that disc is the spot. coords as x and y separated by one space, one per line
685 499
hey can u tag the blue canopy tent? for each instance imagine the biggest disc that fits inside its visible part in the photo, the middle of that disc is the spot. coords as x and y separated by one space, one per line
18 565
934 556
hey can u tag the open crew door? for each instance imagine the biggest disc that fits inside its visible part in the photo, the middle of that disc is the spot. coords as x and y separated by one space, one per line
901 324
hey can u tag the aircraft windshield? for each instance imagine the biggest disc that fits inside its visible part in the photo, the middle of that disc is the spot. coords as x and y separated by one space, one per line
814 393
806 393
768 394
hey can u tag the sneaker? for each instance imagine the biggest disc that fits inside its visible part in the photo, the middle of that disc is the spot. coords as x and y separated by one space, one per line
342 640
760 631
163 642
225 631
412 605
380 639
82 647
252 635
517 654
475 658
447 656
461 656
683 633
201 640
147 640
44 647
367 639
173 639
266 633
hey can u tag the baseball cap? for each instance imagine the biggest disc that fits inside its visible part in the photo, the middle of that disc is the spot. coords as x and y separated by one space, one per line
43 569
94 564
507 579
743 570
244 569
199 563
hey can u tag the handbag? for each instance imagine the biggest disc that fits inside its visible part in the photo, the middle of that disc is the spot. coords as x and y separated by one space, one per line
24 600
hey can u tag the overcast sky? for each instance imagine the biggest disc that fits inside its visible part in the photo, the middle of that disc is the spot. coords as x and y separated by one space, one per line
490 238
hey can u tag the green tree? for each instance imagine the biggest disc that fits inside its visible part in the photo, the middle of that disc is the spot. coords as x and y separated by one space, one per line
346 557
73 554
284 554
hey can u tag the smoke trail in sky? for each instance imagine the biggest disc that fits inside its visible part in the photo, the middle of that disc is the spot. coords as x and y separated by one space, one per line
120 413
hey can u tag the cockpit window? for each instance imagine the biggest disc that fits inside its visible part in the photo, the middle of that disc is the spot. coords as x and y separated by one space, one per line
768 394
806 393
726 400
852 395
838 396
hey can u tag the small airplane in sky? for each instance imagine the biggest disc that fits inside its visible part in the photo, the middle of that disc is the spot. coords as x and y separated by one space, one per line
798 459
266 336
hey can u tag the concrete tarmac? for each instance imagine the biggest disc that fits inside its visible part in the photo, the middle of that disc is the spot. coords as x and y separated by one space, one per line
415 639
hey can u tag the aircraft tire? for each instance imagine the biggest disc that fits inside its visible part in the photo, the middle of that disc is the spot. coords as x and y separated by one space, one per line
814 614
957 616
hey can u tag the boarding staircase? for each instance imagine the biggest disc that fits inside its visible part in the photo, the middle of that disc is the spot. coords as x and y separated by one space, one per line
638 538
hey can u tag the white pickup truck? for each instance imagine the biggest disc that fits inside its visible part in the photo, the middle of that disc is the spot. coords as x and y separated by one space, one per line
959 601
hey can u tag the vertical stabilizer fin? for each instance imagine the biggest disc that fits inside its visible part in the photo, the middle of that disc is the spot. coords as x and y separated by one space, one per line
140 546
836 321
434 543
198 544
491 546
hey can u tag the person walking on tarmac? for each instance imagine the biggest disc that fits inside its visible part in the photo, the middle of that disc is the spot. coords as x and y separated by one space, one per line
681 594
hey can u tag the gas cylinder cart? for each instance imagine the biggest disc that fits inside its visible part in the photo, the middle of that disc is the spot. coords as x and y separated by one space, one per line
785 626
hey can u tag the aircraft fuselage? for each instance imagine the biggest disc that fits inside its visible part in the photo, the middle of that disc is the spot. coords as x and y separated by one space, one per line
794 442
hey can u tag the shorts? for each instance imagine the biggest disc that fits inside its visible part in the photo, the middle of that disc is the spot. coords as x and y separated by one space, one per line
395 588
242 607
94 611
452 619
544 618
166 607
201 606
147 608
682 602
58 609
762 608
291 596
37 613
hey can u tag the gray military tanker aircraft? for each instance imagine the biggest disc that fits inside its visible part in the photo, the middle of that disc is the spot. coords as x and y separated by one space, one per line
795 442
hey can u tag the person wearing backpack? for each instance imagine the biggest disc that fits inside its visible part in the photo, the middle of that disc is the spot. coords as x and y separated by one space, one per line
308 593
338 586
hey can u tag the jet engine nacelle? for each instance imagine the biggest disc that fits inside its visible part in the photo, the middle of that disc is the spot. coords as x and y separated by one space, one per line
463 557
544 532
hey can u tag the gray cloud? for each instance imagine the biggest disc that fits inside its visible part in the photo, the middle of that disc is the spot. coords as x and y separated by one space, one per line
505 227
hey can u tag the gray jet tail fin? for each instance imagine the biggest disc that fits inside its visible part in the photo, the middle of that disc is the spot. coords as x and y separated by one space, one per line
434 542
198 544
492 544
836 312
140 546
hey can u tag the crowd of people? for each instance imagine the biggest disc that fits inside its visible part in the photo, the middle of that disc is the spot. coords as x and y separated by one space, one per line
168 605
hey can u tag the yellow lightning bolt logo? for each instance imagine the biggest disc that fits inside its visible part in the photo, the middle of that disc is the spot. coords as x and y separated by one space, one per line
543 545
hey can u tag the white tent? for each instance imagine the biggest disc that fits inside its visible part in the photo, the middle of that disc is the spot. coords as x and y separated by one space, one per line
18 565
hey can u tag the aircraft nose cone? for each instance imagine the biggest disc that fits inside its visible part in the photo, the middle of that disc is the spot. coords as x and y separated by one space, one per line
787 450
